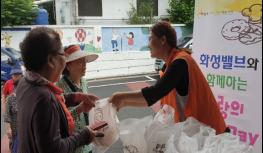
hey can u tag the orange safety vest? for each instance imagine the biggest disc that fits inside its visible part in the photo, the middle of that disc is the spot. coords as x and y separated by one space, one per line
201 103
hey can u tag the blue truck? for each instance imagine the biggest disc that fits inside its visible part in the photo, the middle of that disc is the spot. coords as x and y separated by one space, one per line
10 58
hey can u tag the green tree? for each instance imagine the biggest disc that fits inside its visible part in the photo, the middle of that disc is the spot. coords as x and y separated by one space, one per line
181 11
17 12
144 14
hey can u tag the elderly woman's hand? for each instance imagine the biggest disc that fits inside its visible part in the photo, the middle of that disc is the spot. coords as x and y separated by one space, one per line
94 133
86 101
84 107
81 97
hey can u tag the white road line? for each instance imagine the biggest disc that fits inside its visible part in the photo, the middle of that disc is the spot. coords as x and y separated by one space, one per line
120 77
151 79
115 84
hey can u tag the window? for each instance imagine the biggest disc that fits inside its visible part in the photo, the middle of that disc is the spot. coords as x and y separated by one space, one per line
142 6
89 7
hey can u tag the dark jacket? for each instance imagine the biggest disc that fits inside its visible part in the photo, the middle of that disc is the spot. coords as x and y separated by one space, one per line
42 124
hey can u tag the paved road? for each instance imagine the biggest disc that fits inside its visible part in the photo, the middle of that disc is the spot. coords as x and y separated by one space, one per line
104 88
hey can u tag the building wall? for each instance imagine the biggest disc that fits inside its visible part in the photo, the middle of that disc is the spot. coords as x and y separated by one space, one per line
65 12
114 12
128 60
163 5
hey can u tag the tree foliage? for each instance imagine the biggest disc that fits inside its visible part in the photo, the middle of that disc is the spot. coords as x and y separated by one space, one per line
17 12
144 14
181 11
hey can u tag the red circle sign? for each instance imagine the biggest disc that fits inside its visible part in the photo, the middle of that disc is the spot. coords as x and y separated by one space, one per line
80 35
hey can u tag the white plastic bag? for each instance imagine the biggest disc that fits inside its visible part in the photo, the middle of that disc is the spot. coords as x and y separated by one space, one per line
165 115
132 134
104 111
193 134
202 139
161 129
225 143
170 145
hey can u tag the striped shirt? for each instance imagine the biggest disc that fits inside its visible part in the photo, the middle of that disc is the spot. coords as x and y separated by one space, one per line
11 113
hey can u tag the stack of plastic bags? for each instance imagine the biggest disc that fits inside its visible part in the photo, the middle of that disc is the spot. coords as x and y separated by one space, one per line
161 135
225 143
198 138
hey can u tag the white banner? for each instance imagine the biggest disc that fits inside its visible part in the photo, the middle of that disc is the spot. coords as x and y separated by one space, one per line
227 46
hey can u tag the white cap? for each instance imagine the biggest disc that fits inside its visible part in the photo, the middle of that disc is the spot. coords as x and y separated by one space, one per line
74 52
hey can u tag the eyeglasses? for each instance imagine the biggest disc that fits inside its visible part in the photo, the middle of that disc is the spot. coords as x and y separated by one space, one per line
61 53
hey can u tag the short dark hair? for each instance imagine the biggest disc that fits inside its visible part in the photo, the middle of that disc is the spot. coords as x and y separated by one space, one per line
37 45
131 33
164 28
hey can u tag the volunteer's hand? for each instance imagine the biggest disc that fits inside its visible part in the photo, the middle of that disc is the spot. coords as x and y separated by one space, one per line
117 100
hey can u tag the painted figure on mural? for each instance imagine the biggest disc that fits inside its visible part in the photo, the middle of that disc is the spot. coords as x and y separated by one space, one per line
114 40
130 38
6 38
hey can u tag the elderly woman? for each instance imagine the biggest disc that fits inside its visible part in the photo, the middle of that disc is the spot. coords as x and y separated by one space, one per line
182 84
72 81
44 123
8 88
11 111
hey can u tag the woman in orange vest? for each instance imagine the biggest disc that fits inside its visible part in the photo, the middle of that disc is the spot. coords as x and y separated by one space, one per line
182 84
